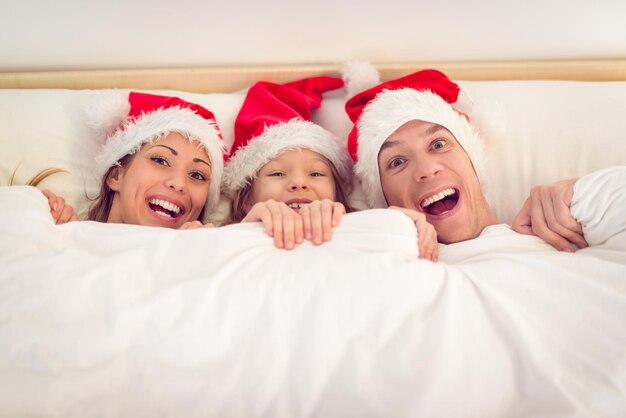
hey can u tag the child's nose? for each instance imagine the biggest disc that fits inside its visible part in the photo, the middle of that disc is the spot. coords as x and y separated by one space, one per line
298 182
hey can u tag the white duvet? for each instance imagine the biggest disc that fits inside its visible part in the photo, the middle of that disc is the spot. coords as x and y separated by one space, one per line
104 320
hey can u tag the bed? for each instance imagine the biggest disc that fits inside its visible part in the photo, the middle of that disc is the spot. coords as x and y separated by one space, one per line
123 320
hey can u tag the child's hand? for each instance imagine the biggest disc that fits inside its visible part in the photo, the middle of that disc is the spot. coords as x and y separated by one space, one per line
319 218
280 222
195 225
427 245
60 211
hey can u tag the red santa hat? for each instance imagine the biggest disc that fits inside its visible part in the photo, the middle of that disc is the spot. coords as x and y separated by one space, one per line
124 123
277 117
426 95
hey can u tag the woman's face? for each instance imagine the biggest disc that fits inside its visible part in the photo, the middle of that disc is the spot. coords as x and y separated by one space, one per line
165 184
295 177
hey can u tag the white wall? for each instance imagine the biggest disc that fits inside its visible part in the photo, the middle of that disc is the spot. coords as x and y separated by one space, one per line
83 34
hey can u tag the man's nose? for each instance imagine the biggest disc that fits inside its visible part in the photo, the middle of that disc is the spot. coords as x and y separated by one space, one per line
426 169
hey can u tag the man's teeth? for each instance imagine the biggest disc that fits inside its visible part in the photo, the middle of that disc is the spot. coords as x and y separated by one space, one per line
435 198
165 205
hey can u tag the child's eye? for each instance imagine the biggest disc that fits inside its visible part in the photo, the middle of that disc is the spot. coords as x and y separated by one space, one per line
277 174
440 143
198 175
160 160
317 174
396 162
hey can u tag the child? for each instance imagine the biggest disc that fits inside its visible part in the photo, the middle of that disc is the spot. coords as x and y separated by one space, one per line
284 170
161 166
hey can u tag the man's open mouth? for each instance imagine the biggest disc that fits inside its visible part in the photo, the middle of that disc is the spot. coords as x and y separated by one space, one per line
165 208
440 203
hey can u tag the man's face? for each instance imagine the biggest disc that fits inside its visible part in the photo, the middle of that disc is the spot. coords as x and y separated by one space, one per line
423 167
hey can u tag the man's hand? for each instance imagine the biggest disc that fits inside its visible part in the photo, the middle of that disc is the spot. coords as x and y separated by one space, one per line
427 245
546 214
60 211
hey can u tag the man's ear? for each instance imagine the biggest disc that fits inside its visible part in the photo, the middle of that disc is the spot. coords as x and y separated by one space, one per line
114 178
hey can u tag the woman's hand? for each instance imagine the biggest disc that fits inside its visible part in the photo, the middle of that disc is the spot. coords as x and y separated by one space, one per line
60 211
319 218
427 245
280 222
546 214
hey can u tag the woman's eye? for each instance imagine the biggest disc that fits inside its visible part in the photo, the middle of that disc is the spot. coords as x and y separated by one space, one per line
198 175
160 160
439 144
396 162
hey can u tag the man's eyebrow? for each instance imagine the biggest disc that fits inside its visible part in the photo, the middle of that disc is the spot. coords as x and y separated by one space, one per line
435 128
387 144
430 131
173 151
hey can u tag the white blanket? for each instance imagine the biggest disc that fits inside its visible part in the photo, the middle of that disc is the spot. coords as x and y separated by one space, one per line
119 320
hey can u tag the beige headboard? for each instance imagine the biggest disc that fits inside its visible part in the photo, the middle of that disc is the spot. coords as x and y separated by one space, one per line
227 79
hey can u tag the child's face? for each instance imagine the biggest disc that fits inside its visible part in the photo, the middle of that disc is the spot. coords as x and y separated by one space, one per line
295 177
165 184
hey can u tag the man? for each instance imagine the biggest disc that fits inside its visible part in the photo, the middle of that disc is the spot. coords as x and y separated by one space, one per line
414 151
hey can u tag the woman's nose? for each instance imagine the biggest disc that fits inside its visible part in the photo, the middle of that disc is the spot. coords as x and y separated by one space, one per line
176 182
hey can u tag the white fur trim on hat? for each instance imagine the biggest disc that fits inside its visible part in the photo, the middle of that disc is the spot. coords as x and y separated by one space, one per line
152 125
295 134
391 109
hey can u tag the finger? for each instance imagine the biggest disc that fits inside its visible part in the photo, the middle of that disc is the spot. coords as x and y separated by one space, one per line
572 230
298 228
338 211
559 220
317 230
277 226
540 227
66 214
52 199
305 213
326 214
289 236
522 221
